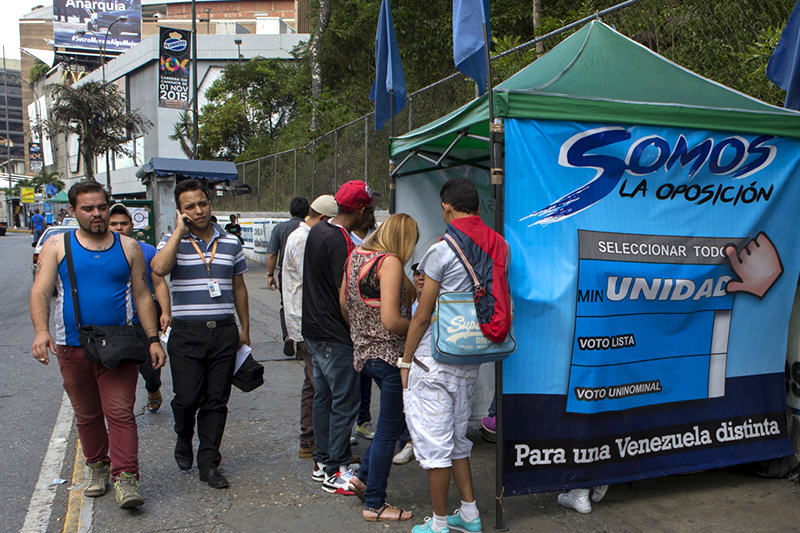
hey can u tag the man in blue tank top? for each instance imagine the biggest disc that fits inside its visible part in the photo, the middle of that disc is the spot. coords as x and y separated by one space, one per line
105 265
207 267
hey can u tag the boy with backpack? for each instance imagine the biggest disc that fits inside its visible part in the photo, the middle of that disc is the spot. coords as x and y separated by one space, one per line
437 395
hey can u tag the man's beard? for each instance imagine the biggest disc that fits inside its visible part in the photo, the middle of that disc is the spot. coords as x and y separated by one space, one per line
97 230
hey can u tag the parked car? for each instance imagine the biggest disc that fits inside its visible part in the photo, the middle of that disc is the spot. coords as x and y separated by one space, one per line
3 227
48 232
70 221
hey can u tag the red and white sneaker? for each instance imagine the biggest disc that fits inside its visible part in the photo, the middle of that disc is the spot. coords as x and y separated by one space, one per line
318 473
340 482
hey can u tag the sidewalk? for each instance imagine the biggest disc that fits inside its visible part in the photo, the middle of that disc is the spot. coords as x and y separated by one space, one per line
271 489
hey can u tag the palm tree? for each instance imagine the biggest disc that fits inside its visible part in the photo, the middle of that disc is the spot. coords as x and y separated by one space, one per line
182 132
97 113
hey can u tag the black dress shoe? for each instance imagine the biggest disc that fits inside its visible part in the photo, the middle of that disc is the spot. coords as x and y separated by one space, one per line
183 453
214 478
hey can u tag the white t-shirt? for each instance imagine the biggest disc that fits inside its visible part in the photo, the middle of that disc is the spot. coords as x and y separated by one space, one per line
441 264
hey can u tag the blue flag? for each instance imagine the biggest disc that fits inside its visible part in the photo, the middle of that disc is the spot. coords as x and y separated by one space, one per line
784 64
469 45
390 81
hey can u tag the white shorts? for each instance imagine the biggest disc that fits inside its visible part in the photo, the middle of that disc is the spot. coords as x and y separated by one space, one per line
437 406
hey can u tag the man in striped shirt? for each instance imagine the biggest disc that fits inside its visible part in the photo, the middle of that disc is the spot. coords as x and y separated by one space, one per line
206 267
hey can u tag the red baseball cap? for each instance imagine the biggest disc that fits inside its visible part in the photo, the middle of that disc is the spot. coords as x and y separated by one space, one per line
355 194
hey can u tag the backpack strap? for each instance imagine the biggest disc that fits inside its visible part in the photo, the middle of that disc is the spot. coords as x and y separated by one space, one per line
71 270
479 290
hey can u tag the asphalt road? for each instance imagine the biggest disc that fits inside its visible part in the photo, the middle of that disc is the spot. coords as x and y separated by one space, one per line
271 489
30 393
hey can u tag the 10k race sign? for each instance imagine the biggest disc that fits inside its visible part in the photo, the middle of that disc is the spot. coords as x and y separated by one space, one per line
175 62
654 274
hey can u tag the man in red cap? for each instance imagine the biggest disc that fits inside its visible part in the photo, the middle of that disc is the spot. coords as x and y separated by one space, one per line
327 336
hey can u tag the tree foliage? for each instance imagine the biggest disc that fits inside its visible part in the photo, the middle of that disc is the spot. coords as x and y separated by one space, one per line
97 114
249 105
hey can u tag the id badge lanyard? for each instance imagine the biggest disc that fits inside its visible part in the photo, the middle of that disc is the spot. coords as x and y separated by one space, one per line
213 285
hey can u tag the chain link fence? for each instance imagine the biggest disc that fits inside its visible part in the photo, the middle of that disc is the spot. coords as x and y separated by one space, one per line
728 41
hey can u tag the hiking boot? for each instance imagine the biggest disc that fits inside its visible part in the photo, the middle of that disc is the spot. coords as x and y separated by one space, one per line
183 453
126 489
340 482
97 485
306 451
365 430
577 499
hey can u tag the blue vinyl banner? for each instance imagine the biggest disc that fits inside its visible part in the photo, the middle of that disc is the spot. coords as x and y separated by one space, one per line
654 271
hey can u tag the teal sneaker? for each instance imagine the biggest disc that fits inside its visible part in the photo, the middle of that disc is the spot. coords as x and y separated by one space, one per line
456 522
425 527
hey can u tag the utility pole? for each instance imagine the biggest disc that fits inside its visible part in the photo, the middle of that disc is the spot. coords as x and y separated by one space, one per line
194 79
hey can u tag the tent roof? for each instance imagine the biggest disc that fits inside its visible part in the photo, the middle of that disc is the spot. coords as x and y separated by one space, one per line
212 171
60 197
600 75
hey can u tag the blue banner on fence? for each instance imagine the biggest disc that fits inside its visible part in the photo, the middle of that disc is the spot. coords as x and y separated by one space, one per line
654 272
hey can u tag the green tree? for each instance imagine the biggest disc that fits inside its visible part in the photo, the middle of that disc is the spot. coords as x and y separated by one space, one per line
97 114
182 132
249 105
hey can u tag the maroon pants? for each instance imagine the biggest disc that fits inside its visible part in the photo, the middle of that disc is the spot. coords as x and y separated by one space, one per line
99 395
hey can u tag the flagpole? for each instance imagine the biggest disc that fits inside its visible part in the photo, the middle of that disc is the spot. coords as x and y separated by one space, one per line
496 180
393 180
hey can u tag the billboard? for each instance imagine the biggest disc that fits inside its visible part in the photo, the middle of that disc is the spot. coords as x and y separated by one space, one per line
174 66
35 156
86 24
655 273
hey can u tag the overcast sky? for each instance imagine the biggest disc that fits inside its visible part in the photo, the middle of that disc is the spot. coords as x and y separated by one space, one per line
9 23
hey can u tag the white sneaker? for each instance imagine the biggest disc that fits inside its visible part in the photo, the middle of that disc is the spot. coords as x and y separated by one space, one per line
340 482
404 455
598 493
577 499
318 474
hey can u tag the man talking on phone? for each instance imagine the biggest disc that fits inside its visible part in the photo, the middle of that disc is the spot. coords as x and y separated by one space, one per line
207 269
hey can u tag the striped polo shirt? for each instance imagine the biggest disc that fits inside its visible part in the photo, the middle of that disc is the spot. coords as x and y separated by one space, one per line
189 278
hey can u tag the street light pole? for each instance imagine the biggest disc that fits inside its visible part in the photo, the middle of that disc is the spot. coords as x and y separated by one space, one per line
8 133
194 80
121 18
238 42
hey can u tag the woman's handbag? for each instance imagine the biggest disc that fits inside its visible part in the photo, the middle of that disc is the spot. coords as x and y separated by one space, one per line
455 331
110 346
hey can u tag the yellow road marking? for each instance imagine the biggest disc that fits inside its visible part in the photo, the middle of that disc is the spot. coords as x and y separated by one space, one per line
72 521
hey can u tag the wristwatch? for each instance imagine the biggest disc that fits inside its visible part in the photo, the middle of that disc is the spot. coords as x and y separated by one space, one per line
401 364
153 339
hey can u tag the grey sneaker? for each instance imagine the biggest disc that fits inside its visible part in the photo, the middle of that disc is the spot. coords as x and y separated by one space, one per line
97 484
126 488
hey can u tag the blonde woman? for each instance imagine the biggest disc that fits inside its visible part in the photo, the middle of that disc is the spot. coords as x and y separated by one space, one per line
376 298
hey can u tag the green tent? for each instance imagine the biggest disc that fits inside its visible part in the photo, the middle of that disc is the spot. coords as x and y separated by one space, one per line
595 75
61 197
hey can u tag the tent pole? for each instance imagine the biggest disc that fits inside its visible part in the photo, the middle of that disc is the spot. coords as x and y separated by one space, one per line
392 177
496 180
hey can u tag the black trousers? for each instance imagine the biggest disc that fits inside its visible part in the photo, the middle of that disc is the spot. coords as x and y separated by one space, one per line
151 376
202 361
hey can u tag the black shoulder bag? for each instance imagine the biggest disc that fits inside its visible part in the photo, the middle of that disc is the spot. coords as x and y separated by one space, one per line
110 346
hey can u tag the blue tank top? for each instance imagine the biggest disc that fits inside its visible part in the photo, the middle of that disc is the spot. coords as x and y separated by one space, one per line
103 280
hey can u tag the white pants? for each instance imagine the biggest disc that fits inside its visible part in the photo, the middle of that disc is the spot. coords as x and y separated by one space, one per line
437 406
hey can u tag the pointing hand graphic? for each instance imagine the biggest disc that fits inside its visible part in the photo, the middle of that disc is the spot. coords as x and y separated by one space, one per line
756 265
